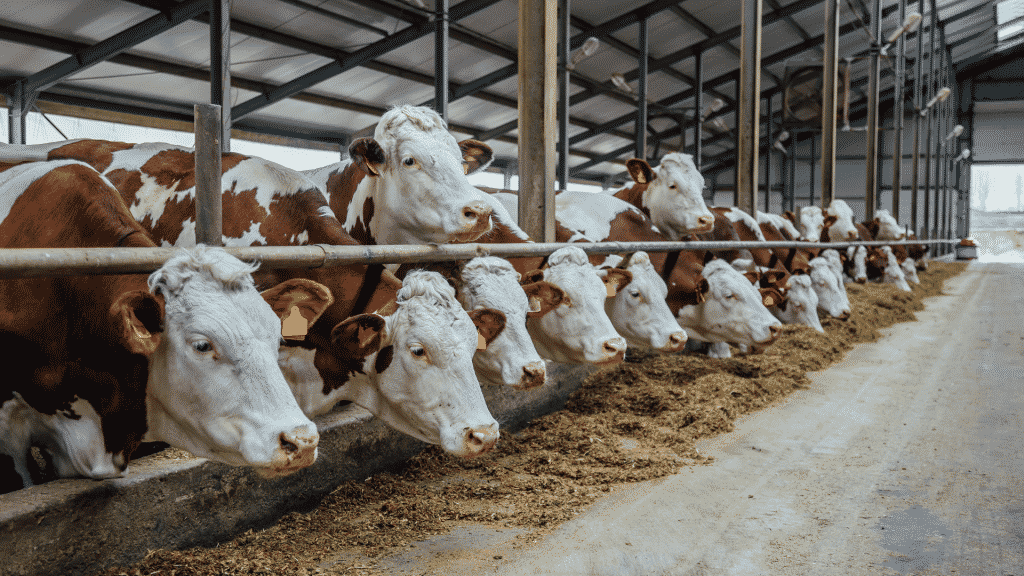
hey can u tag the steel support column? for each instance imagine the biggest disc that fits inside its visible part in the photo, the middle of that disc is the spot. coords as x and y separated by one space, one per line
441 58
897 117
220 67
641 91
19 101
748 117
209 206
930 89
915 170
965 112
871 148
810 185
564 36
768 158
538 63
790 196
828 109
698 110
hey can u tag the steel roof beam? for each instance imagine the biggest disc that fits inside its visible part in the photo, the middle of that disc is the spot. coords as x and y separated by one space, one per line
104 50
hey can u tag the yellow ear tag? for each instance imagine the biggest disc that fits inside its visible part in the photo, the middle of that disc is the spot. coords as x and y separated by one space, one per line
769 301
481 342
535 304
611 289
293 327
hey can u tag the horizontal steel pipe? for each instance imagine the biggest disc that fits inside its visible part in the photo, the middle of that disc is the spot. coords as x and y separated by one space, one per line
37 262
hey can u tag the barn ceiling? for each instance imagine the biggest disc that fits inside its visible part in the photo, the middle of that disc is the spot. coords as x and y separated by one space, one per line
324 70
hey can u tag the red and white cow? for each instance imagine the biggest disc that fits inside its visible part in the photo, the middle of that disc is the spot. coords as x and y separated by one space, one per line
407 184
827 281
801 304
810 221
265 203
885 227
671 195
187 357
642 301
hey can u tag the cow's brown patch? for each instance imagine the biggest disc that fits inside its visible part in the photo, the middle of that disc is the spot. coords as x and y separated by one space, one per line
341 189
97 153
635 195
384 358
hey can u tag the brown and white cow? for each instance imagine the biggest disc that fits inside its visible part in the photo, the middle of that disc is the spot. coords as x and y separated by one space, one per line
671 195
407 184
267 204
187 357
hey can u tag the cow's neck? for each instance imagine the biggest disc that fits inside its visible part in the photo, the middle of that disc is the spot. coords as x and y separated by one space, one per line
350 193
635 195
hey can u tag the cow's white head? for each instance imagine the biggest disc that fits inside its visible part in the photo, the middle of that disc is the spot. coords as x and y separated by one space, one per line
639 311
843 228
893 273
801 304
71 437
578 330
411 366
810 220
511 357
733 312
835 262
910 270
888 227
828 286
783 223
856 263
673 195
418 174
214 385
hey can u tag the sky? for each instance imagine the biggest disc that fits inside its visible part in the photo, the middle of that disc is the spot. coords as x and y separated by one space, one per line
1002 186
39 131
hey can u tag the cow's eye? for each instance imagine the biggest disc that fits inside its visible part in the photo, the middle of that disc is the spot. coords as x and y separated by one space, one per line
202 346
418 351
729 296
634 293
410 161
671 186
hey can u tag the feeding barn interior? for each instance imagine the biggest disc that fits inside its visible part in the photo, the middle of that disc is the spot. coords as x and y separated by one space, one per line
539 287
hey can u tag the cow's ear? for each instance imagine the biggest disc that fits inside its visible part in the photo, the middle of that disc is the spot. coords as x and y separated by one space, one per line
368 155
770 297
616 279
361 335
298 302
476 155
489 324
640 171
751 276
830 219
789 215
139 318
544 297
531 277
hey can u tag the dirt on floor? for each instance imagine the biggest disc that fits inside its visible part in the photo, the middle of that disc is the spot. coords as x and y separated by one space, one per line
632 422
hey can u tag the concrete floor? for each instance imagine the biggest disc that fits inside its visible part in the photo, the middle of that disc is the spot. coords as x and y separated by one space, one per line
906 458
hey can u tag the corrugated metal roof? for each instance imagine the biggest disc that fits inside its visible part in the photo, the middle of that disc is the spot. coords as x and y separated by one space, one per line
273 42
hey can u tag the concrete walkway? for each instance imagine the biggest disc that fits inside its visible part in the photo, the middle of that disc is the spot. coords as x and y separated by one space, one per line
906 458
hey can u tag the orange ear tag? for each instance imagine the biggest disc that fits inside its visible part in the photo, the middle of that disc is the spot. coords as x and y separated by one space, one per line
293 327
534 304
768 301
481 342
611 289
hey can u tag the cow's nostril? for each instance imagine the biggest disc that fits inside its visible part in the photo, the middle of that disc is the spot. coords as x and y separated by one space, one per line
776 331
287 445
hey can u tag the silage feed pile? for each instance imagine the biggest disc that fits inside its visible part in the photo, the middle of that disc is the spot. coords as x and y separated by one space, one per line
632 422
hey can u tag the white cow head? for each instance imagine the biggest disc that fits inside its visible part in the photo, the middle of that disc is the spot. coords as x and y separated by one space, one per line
835 262
639 311
418 174
856 263
578 331
733 312
673 195
888 227
893 273
801 304
843 228
214 385
829 288
810 221
511 357
410 365
910 270
72 438
782 223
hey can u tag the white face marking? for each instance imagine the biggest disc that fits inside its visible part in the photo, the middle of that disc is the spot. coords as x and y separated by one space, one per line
843 228
801 304
733 312
812 222
888 228
910 271
893 274
828 286
639 311
578 331
675 197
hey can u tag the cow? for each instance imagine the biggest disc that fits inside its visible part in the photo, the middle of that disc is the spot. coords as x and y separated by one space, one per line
801 304
733 312
671 195
772 271
827 282
810 221
267 204
578 331
885 227
407 184
876 262
884 267
642 302
426 336
185 357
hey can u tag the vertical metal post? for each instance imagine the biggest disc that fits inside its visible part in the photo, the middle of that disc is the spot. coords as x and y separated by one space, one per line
914 164
965 103
538 125
929 92
736 150
698 111
871 148
208 175
768 160
641 109
748 116
830 82
791 171
897 117
18 104
220 68
810 185
441 58
564 36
